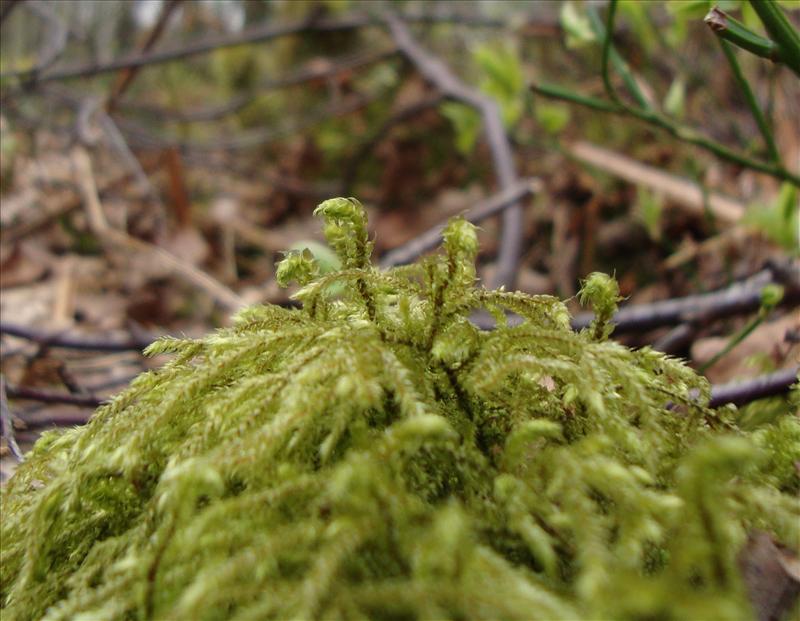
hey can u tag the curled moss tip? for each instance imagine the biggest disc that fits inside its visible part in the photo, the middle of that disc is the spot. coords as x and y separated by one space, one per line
771 295
601 292
461 239
346 230
298 266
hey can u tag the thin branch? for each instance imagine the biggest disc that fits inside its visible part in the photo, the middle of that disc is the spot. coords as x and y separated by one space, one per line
741 393
483 210
676 339
9 6
49 396
74 341
677 130
781 30
752 102
117 142
127 76
436 72
688 194
7 422
307 73
250 139
738 299
256 34
54 41
49 418
737 393
113 239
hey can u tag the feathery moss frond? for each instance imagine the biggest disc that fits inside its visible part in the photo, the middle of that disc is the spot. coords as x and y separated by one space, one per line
375 455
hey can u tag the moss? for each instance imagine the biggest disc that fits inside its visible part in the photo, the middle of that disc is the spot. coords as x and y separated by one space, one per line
373 455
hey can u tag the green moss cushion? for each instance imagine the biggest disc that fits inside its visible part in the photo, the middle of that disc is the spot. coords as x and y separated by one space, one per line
374 455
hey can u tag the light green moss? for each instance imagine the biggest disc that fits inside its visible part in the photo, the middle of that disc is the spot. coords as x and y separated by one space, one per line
374 455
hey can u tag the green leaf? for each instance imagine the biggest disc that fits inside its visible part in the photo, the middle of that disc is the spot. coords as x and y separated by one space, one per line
504 80
502 68
576 25
689 9
325 257
650 206
675 100
750 18
779 221
553 117
641 22
466 122
788 201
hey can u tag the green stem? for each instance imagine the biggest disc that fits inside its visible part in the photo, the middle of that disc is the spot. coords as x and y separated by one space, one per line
605 33
786 48
555 91
730 29
781 30
645 112
758 115
735 340
681 132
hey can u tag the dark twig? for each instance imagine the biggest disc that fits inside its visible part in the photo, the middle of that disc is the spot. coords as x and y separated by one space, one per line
676 339
487 208
8 6
126 78
438 74
49 396
740 393
744 297
7 422
51 339
255 34
48 418
738 299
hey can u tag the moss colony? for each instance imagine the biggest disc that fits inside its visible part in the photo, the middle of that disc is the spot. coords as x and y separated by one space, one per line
374 455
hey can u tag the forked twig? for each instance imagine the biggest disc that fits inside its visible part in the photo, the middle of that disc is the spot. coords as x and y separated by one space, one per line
483 210
437 73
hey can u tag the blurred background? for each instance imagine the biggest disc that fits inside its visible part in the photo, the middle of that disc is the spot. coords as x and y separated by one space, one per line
158 156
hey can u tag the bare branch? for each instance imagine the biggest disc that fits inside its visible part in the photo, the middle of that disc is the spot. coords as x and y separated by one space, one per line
9 6
49 396
487 208
741 393
740 298
7 422
438 74
112 239
54 40
255 34
74 341
126 78
307 73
